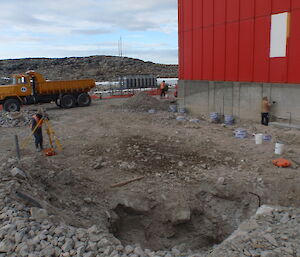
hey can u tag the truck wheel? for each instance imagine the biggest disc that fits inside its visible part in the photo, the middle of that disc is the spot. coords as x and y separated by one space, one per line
57 101
67 101
83 100
11 105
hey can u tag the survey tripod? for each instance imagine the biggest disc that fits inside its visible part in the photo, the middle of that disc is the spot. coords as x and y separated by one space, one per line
51 136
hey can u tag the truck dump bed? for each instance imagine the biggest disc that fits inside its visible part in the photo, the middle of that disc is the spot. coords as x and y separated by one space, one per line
65 86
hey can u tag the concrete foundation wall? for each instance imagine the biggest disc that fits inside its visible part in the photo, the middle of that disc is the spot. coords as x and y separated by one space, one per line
243 100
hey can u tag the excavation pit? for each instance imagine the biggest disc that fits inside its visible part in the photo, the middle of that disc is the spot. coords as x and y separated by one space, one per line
196 224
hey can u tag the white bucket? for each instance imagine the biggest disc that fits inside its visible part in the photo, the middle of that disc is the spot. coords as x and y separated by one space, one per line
279 148
258 139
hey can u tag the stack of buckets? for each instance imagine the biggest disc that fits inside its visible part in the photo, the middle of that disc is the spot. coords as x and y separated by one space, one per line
241 133
259 138
215 117
228 120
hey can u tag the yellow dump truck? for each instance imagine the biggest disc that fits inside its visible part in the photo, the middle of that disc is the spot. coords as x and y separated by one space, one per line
32 88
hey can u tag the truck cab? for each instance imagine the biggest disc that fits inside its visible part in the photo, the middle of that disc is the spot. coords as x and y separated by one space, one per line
11 95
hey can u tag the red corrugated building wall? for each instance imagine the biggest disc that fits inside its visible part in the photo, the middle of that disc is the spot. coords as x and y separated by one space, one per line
229 40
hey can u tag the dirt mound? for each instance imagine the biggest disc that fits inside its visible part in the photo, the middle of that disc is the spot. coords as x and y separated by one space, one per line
143 102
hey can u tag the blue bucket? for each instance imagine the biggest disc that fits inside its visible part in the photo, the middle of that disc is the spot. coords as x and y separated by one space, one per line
267 138
215 117
173 108
228 120
180 118
152 111
240 133
182 110
195 120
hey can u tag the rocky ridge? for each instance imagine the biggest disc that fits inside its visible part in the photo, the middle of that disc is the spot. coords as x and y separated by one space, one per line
100 68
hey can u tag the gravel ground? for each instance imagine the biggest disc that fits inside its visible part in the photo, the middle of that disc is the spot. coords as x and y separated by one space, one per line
199 195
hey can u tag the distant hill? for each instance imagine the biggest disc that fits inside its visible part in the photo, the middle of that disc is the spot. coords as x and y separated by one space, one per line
100 68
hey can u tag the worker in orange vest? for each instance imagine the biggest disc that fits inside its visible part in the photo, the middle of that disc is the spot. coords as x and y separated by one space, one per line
36 127
162 88
176 90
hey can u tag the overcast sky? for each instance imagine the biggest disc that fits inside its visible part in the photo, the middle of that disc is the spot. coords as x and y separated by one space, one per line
61 28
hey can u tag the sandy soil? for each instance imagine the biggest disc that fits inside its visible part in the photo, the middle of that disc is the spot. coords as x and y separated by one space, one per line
199 184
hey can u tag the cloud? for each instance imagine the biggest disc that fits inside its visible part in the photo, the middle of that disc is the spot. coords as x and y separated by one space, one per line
91 31
65 27
71 16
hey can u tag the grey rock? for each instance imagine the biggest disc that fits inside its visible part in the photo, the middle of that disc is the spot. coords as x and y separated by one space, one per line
81 233
5 246
88 200
69 243
80 251
128 249
38 214
89 254
285 218
288 250
267 254
114 253
58 251
19 236
95 237
92 229
138 250
108 251
271 239
16 172
22 249
103 243
180 216
175 252
48 251
59 231
120 248
97 166
91 246
221 181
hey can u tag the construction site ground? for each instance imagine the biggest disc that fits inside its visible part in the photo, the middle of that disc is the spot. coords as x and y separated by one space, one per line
198 182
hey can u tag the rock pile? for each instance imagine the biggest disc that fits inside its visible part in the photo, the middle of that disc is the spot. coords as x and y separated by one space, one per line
271 232
15 119
28 230
143 102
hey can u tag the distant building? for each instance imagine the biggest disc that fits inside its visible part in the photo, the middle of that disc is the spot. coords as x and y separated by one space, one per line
234 52
137 81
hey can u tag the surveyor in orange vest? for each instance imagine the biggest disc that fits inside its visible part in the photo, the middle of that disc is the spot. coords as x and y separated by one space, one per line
36 127
162 88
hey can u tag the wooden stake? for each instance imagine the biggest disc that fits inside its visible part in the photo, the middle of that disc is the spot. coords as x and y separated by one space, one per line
17 147
127 182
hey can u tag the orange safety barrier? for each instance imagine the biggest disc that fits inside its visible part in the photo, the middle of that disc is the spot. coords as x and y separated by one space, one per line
283 163
149 92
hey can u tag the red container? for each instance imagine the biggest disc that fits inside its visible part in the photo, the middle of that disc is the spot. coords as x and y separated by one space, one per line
230 40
